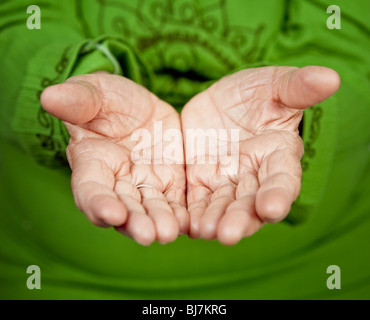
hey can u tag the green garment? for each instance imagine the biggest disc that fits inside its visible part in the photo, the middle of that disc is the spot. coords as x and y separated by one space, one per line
176 49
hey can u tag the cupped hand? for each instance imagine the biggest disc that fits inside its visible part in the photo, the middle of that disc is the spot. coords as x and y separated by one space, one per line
108 117
263 107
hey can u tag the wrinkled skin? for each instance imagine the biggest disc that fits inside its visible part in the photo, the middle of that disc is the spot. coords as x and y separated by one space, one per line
102 111
265 105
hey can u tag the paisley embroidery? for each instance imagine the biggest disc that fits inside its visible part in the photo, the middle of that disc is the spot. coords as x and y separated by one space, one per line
314 133
53 125
182 40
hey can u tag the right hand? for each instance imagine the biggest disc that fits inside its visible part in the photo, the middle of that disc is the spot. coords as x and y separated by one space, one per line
101 111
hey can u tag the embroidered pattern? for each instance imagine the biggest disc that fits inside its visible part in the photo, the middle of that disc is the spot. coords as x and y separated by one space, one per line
314 126
186 43
53 125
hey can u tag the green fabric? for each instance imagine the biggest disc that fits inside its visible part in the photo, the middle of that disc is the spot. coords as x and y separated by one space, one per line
176 49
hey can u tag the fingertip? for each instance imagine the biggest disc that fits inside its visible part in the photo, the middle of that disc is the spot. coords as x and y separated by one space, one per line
75 102
233 226
194 228
108 210
168 231
273 205
228 235
208 228
301 88
323 80
48 97
146 238
183 219
141 228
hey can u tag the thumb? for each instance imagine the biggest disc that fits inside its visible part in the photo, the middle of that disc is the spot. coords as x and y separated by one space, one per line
305 87
76 101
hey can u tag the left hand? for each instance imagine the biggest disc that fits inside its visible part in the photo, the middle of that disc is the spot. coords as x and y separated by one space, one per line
265 105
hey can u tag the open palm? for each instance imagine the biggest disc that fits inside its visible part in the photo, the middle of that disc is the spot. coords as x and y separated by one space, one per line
103 113
264 106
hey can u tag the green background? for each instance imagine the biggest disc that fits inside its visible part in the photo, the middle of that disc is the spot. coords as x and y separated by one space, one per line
176 49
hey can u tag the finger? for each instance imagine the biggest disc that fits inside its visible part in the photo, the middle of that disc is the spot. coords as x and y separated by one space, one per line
198 200
220 200
139 225
280 182
93 179
305 87
157 207
94 193
240 219
77 101
176 200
